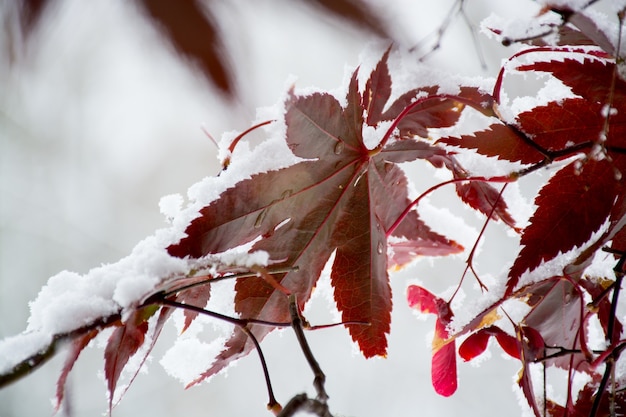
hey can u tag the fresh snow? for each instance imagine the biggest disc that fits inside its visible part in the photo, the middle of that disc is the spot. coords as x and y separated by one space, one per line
70 301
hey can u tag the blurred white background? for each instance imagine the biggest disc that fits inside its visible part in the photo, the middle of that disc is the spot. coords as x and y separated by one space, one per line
99 119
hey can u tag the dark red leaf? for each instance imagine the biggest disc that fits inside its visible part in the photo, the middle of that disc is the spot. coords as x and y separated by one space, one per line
76 347
344 197
483 197
477 193
197 296
358 12
559 125
377 92
570 207
192 31
126 339
578 120
432 113
31 12
589 76
500 141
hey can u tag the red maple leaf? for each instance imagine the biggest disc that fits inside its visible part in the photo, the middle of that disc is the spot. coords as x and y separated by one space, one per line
124 342
343 198
498 140
76 347
578 199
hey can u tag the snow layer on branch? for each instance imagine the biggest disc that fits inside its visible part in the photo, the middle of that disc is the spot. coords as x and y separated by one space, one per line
69 301
523 27
15 349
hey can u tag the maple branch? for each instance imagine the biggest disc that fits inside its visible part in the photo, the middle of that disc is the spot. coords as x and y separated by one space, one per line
296 324
456 9
560 352
307 326
302 402
33 362
576 18
441 30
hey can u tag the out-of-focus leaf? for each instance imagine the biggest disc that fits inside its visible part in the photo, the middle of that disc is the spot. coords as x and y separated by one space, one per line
358 12
31 12
191 29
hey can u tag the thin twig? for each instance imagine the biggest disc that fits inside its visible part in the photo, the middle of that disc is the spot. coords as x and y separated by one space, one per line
242 324
296 324
610 328
248 274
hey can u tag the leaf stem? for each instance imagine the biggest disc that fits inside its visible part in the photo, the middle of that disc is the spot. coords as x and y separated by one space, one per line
394 226
209 280
410 107
470 258
242 324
